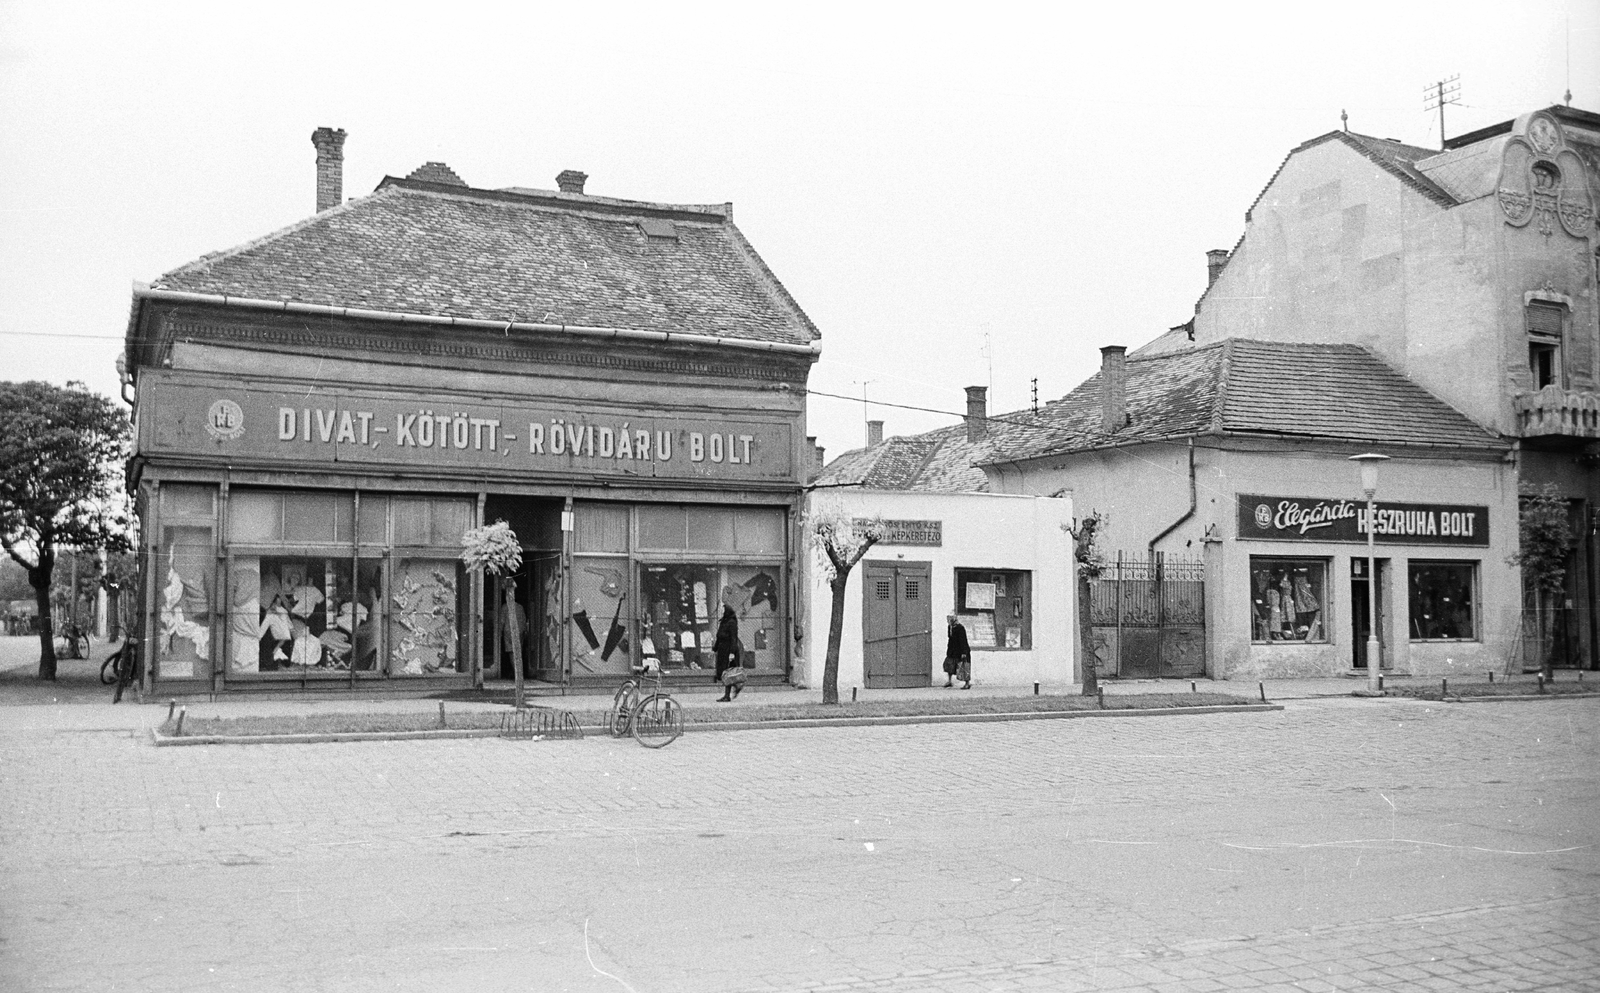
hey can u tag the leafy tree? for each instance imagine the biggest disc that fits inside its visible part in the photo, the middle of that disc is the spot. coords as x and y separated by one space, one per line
61 457
1089 563
840 541
1545 538
13 582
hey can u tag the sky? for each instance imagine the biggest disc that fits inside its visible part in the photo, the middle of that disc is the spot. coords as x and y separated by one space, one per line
957 195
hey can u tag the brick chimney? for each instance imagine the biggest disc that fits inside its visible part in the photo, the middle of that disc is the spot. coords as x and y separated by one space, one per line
817 460
571 180
977 412
1215 260
330 167
874 432
1113 388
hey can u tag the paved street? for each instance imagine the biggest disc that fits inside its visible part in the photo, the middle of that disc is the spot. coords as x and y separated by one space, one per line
1338 844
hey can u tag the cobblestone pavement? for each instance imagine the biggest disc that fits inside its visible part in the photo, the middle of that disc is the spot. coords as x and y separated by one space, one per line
1339 844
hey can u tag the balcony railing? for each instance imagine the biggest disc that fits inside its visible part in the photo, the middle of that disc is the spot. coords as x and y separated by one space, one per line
1555 411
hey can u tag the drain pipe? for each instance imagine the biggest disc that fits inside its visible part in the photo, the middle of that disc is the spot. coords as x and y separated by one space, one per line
1193 503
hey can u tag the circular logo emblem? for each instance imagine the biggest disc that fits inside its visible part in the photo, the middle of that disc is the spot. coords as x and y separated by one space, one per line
1263 516
225 420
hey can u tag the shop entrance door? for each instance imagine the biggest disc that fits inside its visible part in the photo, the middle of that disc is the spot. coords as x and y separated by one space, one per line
1360 619
898 624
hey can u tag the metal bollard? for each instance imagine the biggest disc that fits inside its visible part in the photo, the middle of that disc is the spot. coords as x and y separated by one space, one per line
441 714
1036 688
1541 682
1192 688
1100 696
1491 675
1444 687
172 706
1263 688
179 732
1380 680
852 694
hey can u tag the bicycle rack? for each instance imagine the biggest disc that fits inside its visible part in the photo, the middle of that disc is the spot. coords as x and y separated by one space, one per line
539 722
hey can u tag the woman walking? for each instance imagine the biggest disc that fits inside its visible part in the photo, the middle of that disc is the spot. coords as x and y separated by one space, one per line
730 667
957 656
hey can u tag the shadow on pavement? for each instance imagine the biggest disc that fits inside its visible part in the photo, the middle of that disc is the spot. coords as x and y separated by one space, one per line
77 680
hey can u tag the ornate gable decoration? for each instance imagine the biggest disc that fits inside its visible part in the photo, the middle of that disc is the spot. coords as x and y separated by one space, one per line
1540 177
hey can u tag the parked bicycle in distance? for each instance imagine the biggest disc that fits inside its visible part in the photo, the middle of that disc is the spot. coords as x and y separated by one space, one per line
72 642
654 719
121 667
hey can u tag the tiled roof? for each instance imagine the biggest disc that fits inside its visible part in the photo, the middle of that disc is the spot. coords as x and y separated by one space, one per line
527 256
1242 387
941 461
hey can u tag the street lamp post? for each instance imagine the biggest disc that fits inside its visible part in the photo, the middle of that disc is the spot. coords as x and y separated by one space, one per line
1369 486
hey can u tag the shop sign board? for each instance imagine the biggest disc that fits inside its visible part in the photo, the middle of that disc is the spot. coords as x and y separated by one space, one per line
927 533
1280 518
319 426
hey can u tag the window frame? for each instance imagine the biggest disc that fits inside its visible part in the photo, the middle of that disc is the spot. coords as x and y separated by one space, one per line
1546 345
1023 612
1260 607
1475 601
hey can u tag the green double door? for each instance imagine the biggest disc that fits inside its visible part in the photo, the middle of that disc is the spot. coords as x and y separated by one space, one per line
898 624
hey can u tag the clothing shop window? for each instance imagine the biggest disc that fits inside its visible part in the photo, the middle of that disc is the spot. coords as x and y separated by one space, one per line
682 604
996 607
307 599
1546 323
1287 600
184 574
1443 599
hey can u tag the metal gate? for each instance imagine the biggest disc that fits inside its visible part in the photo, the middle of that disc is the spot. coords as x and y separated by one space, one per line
898 624
1148 615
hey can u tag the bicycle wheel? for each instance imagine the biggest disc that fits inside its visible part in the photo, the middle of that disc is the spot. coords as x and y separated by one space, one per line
108 668
622 707
657 721
80 646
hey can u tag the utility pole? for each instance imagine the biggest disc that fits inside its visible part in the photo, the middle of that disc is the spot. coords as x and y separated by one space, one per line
1445 91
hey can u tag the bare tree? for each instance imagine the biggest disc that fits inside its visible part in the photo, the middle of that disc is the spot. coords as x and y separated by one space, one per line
1088 567
840 541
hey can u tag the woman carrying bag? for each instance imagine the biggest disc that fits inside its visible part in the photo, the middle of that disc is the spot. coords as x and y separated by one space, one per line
730 656
957 656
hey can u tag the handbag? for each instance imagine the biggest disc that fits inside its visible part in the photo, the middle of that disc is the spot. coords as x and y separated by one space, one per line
951 664
733 677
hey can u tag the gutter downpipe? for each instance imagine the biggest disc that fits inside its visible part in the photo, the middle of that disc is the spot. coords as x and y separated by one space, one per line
1193 503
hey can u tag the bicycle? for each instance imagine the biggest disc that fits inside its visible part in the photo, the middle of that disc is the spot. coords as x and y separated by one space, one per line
73 642
655 719
123 665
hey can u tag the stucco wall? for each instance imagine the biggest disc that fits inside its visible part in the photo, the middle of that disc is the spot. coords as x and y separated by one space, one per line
1340 251
1145 489
984 531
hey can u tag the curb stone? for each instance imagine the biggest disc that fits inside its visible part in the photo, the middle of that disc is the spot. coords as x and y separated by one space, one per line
163 740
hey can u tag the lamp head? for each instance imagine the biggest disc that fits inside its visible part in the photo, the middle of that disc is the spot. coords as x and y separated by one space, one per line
1369 471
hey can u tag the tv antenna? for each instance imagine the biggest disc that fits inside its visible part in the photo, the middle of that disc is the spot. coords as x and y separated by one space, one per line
1445 91
1036 394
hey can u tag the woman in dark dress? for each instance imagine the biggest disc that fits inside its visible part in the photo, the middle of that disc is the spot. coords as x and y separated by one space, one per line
726 648
957 656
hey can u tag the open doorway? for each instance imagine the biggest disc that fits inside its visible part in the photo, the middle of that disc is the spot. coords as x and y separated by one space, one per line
1360 612
536 589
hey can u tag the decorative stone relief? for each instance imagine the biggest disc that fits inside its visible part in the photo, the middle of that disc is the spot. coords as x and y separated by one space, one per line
1543 180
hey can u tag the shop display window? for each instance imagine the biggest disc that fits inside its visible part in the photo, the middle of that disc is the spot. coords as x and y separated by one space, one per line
996 607
682 605
1443 601
1287 600
304 598
184 575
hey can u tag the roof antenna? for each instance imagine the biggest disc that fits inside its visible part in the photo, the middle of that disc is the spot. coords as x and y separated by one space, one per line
1036 394
1344 119
1445 91
1569 60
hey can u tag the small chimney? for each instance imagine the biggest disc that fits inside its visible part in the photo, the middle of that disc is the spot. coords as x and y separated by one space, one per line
874 432
330 167
1113 388
571 180
977 412
817 460
1215 260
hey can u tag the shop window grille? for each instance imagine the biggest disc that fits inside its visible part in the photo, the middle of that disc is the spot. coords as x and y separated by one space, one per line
885 589
913 589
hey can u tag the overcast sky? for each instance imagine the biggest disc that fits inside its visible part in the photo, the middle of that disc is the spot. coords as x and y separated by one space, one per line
956 195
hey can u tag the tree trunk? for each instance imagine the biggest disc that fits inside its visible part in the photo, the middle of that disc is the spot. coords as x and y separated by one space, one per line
830 666
39 579
1086 660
